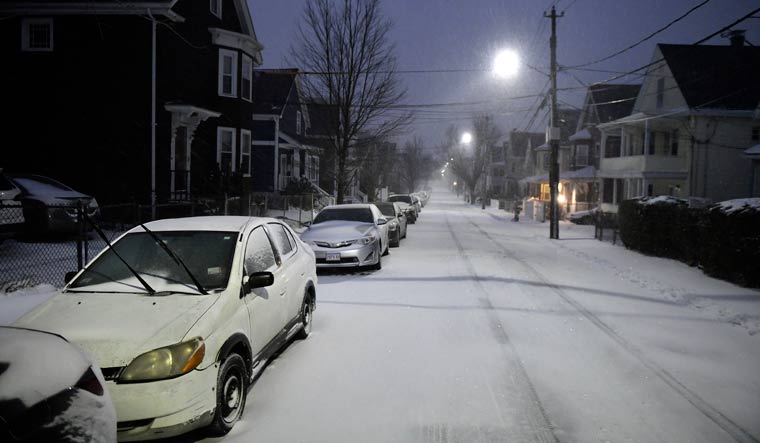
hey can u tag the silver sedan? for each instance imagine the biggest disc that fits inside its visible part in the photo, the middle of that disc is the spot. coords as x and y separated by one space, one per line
352 235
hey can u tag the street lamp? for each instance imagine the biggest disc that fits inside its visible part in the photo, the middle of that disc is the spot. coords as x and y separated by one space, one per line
466 139
506 64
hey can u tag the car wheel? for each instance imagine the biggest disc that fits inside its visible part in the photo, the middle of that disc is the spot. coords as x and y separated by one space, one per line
231 389
307 315
396 239
379 252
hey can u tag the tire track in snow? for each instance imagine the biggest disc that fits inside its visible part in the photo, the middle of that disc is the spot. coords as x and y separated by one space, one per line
733 429
535 413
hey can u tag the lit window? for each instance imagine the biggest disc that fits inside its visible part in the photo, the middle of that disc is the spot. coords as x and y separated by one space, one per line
245 151
37 34
227 73
216 8
225 149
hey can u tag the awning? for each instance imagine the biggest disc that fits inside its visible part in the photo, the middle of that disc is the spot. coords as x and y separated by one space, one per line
583 134
581 175
753 152
544 147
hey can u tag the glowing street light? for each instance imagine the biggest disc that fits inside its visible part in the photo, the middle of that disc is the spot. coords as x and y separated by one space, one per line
466 139
506 64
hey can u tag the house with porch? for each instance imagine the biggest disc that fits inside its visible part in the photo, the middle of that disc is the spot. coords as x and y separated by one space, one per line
280 151
691 125
131 101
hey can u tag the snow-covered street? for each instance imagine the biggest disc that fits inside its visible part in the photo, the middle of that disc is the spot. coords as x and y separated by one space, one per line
478 329
481 330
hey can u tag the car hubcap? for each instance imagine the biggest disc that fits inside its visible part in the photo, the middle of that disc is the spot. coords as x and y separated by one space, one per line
307 317
232 396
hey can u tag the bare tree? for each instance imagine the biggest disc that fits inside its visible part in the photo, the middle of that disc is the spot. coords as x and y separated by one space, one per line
415 165
344 48
470 160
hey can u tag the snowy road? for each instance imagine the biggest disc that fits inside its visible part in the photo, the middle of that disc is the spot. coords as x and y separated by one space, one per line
479 330
482 330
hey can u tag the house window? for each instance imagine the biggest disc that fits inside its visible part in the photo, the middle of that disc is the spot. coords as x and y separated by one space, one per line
612 147
315 168
298 122
245 84
652 140
227 73
245 152
608 188
225 149
660 92
756 134
215 7
545 158
650 190
545 192
37 34
674 142
581 155
619 190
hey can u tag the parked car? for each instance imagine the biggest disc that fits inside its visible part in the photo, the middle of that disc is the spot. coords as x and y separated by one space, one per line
181 314
396 222
50 206
51 391
349 235
11 214
410 211
408 199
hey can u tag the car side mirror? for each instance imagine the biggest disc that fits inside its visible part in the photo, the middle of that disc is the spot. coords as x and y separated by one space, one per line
257 280
70 276
381 221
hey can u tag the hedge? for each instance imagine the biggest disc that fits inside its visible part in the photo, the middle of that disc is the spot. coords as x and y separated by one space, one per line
725 243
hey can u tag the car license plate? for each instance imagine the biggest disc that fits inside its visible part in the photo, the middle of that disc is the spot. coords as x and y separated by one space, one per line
332 256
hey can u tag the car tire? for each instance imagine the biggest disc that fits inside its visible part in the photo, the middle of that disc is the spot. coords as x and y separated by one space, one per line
231 390
379 265
307 316
396 242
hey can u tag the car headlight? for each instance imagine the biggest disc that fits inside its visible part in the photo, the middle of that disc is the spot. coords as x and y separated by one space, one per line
366 240
169 362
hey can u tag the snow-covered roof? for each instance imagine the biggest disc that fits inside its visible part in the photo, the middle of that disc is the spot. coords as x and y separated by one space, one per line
583 134
753 151
661 199
738 205
585 174
209 223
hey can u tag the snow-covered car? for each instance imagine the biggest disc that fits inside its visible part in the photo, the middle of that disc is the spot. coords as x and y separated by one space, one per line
396 222
181 314
11 214
410 200
49 205
51 391
410 211
352 235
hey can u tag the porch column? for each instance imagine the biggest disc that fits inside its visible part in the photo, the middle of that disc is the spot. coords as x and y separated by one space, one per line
646 137
276 154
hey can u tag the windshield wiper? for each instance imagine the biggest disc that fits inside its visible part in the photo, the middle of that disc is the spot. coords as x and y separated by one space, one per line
145 284
176 259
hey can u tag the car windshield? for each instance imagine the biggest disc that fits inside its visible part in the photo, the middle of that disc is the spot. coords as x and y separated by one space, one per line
155 266
400 198
363 215
386 208
39 185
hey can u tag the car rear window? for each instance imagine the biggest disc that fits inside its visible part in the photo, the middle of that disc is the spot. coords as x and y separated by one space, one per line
400 198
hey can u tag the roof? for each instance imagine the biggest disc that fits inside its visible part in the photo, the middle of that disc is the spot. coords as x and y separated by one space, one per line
580 175
753 151
583 134
613 101
709 76
91 7
271 89
519 141
223 223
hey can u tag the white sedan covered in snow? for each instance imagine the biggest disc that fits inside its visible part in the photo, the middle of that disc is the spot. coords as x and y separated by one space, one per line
181 314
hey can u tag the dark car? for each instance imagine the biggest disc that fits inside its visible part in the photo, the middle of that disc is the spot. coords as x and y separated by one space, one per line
414 211
396 221
50 391
51 206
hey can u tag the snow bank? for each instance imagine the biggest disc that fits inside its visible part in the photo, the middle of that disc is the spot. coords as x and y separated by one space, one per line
737 205
15 304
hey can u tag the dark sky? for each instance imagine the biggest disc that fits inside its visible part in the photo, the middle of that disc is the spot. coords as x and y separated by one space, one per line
461 34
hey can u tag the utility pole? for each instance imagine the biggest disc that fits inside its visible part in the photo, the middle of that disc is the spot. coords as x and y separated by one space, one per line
553 133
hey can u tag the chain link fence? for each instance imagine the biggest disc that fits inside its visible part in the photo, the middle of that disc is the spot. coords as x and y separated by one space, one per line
42 244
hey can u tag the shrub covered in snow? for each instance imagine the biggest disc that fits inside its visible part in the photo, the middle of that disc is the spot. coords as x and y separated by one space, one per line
723 239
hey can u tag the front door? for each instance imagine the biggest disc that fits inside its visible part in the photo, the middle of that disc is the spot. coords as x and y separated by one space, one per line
265 305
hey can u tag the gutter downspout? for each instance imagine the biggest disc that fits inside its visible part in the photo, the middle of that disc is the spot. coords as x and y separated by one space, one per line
153 118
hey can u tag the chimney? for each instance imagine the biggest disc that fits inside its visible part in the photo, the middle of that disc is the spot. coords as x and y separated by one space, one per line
736 36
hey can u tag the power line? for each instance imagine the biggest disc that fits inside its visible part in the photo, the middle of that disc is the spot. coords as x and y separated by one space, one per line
628 48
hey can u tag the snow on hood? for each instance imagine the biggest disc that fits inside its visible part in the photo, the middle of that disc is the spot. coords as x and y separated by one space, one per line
661 199
116 328
337 230
739 204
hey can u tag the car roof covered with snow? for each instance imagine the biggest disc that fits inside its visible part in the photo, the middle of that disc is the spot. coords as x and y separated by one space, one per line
350 206
205 223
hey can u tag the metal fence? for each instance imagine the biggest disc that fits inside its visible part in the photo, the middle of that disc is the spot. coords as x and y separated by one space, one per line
40 245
